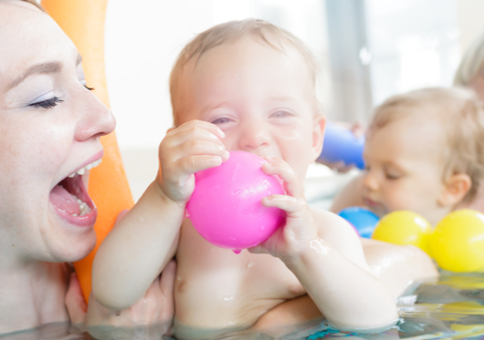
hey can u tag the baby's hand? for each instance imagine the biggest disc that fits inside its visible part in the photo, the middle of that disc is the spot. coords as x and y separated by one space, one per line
193 146
300 229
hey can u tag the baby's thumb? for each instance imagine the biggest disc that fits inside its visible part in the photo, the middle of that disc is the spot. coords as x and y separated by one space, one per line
75 303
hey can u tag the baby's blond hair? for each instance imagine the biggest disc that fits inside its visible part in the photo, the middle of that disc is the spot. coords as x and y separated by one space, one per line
461 115
231 32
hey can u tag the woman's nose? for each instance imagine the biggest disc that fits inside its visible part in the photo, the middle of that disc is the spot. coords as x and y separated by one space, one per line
254 136
96 120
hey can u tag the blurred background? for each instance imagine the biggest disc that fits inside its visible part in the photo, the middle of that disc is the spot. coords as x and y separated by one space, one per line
367 49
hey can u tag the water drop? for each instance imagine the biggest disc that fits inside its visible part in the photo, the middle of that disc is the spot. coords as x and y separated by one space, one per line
236 251
250 264
187 215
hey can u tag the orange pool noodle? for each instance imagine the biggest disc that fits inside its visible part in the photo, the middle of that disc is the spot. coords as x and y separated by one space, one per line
83 21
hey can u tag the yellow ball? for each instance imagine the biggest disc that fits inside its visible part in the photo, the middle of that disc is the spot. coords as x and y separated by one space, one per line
458 241
404 227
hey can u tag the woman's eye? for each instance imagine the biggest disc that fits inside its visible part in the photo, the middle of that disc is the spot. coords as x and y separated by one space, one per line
223 120
83 82
48 103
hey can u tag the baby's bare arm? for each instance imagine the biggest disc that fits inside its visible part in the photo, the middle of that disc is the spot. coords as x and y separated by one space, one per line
337 278
143 241
136 250
325 254
398 266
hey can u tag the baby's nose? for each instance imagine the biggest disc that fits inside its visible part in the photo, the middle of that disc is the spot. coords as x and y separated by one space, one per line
254 136
370 181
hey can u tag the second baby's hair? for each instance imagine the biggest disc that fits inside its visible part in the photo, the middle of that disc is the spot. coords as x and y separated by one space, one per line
231 32
461 115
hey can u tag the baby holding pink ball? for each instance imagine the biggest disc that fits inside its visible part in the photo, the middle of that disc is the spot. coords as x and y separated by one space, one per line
250 86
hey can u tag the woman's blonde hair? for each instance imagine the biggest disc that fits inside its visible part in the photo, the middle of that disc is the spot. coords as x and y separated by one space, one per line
471 64
461 115
231 32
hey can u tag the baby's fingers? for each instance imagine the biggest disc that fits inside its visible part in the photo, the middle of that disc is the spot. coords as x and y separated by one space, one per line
294 207
202 147
200 127
192 164
278 167
194 130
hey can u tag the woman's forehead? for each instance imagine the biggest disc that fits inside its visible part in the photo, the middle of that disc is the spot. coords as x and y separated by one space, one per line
29 37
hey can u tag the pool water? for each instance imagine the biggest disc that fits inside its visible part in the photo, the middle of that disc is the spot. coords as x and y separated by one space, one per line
451 308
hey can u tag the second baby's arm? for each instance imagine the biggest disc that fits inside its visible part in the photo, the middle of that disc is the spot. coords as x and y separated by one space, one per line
146 238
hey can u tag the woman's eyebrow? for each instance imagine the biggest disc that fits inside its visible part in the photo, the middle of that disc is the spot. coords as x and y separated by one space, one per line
43 68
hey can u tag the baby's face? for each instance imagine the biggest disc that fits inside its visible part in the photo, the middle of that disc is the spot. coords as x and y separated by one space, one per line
263 99
404 168
50 126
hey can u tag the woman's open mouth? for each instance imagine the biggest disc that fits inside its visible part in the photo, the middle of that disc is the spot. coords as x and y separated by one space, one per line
71 200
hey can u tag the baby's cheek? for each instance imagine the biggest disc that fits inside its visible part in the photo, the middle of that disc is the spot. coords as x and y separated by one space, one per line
402 199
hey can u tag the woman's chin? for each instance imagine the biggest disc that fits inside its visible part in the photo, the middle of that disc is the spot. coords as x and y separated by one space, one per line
68 242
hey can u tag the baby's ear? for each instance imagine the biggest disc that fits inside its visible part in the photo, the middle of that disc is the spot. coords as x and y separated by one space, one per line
318 135
455 189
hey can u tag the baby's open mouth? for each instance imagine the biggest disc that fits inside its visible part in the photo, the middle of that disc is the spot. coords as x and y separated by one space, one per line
70 198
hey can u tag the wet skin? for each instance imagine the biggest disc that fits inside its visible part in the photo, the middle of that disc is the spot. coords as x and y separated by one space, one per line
50 125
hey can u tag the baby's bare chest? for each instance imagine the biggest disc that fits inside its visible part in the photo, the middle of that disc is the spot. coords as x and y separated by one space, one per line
243 286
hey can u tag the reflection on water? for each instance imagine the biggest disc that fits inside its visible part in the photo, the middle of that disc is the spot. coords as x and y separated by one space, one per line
53 331
451 308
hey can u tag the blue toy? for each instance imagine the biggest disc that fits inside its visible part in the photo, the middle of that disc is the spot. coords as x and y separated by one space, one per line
340 144
362 219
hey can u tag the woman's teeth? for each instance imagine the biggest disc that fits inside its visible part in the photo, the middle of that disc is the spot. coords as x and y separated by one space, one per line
82 171
83 207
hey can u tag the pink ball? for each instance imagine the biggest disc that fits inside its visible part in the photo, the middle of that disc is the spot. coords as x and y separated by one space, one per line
225 207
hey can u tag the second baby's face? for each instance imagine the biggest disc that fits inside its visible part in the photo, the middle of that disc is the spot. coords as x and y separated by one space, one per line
404 167
262 98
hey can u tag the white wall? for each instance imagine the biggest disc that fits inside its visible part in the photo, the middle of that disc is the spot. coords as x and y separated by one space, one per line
470 18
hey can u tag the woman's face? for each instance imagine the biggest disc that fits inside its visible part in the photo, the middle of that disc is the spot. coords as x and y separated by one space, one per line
50 125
